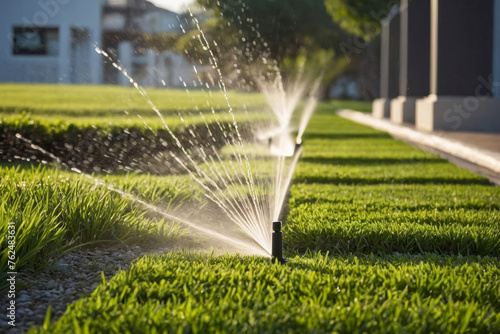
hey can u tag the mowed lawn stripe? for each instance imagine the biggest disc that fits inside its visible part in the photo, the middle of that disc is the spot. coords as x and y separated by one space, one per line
359 190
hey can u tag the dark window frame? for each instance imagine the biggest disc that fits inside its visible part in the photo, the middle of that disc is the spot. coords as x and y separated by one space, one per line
41 33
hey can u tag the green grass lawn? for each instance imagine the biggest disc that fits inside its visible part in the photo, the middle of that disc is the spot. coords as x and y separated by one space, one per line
115 127
382 238
61 108
362 106
358 190
191 293
78 101
54 211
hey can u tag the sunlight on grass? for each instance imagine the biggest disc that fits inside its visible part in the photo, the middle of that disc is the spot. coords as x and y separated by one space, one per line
186 292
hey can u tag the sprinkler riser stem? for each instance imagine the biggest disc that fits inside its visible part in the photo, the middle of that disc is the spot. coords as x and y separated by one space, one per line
297 148
277 244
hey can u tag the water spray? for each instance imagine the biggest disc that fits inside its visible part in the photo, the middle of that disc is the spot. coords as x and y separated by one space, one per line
277 247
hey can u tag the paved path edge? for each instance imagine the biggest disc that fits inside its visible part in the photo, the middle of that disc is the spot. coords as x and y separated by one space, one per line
481 157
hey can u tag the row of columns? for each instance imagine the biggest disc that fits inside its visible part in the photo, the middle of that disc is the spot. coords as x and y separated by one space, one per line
439 65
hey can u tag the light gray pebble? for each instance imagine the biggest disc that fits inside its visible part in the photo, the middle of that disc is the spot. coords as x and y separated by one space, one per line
23 298
63 267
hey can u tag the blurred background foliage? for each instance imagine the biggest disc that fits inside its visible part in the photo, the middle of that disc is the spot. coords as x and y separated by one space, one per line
338 38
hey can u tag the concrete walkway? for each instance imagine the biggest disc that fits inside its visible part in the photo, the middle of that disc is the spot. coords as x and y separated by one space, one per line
483 141
479 152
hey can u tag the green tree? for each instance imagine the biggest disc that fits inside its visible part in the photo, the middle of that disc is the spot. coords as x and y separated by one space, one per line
281 27
360 17
284 34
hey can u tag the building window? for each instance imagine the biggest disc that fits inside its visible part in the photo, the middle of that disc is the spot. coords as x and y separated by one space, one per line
36 41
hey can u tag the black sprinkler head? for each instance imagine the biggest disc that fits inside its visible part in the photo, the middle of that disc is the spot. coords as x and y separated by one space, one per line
277 247
297 147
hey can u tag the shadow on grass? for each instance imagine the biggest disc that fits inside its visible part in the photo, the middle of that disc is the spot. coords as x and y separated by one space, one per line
22 165
370 161
104 112
394 206
336 180
384 241
329 136
389 260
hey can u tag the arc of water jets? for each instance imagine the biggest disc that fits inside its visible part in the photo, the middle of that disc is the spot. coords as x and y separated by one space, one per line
311 104
215 194
248 214
142 202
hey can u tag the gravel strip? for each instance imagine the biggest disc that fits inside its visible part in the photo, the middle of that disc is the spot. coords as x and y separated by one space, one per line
74 276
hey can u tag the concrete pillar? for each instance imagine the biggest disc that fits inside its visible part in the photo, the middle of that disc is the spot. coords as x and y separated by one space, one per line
96 60
389 66
414 59
394 48
461 75
381 106
125 53
64 54
151 67
496 51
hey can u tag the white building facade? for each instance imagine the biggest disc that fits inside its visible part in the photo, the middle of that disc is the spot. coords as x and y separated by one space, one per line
50 41
124 22
54 41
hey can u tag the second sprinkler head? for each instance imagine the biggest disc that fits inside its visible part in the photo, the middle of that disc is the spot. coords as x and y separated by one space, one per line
297 147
